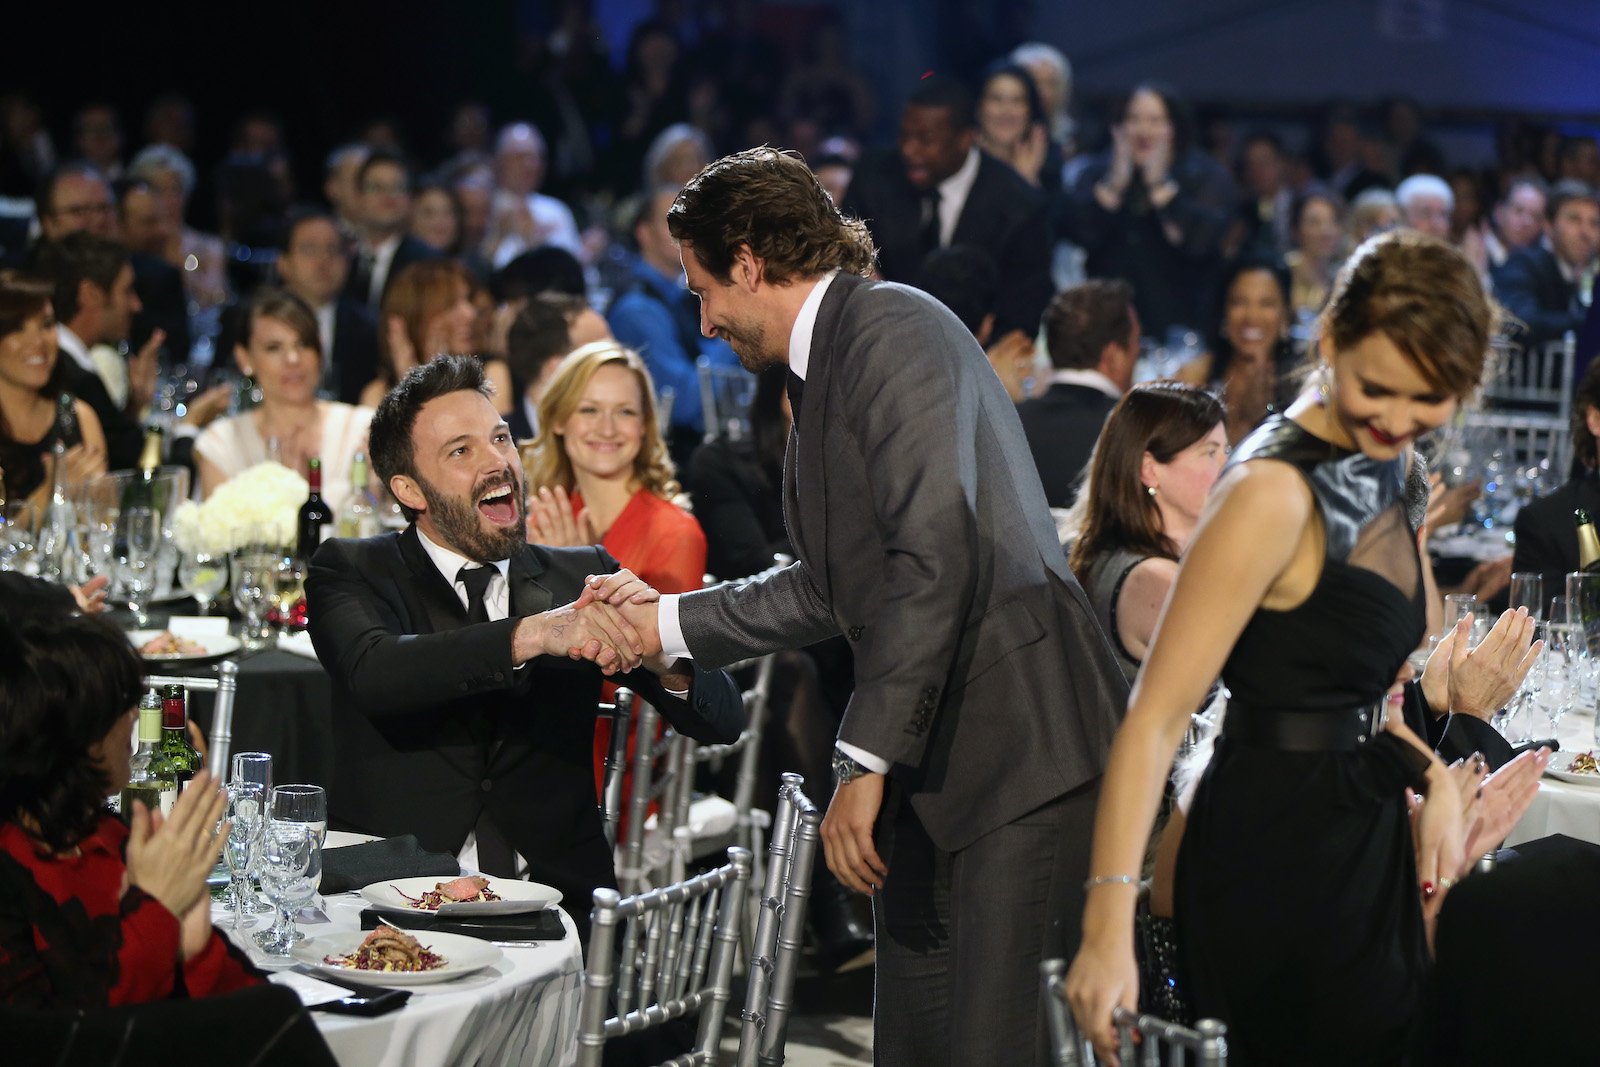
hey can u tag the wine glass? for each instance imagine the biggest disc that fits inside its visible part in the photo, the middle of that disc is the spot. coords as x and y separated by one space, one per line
245 822
289 593
254 771
203 574
1527 591
287 852
253 581
17 521
137 565
305 805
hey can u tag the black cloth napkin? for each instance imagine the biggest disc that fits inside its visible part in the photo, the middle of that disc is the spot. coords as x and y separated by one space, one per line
355 866
526 926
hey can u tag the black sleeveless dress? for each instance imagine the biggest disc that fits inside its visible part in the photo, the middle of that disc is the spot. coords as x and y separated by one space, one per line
1297 911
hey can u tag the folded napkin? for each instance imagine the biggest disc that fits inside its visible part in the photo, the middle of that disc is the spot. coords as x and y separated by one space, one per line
298 643
193 626
527 926
355 866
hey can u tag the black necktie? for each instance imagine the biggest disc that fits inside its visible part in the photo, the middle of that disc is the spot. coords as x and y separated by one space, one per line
477 580
361 276
930 220
796 388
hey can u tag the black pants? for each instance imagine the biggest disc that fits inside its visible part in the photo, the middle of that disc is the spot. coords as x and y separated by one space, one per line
961 934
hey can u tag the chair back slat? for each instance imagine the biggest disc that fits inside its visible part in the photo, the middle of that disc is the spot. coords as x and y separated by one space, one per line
620 711
725 395
676 957
1206 1045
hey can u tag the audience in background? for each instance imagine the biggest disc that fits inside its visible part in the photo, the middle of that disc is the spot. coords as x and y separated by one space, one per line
1092 332
1548 286
314 265
382 213
1426 203
521 217
200 256
1516 222
966 280
428 312
546 327
436 218
1250 354
1374 211
1317 240
1012 126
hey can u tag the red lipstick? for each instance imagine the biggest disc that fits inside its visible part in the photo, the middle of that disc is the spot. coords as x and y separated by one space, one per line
1384 439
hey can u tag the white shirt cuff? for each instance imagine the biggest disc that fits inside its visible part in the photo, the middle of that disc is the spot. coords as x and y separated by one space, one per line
672 643
681 694
875 764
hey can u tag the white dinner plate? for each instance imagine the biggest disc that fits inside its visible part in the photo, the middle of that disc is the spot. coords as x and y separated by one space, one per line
216 646
1561 774
517 897
462 956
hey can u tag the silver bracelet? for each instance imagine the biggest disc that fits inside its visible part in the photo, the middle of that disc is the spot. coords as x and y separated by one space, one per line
1111 879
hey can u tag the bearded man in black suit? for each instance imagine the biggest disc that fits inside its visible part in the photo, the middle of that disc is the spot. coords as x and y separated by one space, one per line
464 713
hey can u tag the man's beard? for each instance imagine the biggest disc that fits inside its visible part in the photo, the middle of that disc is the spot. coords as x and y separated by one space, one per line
460 522
749 343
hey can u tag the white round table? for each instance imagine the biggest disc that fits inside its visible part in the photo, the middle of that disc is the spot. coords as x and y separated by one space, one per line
1562 807
522 1011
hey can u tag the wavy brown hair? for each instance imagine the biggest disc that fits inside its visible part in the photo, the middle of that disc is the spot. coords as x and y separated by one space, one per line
1424 296
1163 419
545 460
770 202
417 294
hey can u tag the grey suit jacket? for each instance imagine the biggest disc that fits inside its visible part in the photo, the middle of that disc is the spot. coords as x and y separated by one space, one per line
921 533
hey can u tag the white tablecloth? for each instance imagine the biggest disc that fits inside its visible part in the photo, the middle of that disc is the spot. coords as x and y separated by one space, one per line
522 1011
1560 807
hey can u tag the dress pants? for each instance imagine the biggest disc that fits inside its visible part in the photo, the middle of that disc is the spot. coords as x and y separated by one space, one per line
960 935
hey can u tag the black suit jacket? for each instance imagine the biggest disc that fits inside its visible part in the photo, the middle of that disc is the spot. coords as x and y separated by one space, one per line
433 726
124 438
1531 287
1003 215
355 348
1062 427
409 251
1547 533
166 306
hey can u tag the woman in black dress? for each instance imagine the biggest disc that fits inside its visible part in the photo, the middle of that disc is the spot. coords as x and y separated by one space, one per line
1299 896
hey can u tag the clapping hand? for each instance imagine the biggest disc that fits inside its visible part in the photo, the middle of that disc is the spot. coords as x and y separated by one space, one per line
169 858
402 353
91 595
1479 681
551 521
142 367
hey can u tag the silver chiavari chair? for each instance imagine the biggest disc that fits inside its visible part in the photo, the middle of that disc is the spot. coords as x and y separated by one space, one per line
780 928
1535 378
1206 1045
725 395
225 685
676 957
620 712
655 772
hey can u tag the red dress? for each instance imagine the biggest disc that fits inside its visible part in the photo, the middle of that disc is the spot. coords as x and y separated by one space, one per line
74 935
664 546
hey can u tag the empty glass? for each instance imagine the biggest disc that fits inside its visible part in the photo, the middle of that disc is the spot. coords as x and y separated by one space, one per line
1527 591
137 564
303 805
246 802
253 771
203 575
287 852
254 578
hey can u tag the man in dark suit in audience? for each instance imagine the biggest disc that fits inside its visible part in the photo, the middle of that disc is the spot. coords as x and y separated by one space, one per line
548 326
460 714
1540 284
1093 335
940 189
384 247
314 265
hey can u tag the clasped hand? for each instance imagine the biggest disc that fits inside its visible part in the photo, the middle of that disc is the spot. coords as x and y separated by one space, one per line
612 624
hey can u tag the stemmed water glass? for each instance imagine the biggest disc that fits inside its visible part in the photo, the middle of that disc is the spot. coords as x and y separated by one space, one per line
203 575
137 564
288 851
246 802
253 771
303 805
254 581
1527 591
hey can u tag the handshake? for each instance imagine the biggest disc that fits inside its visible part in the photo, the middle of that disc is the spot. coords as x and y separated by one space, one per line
612 624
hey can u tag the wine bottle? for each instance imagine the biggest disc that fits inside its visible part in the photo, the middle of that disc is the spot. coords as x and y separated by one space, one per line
175 747
360 516
141 488
1588 542
315 515
151 782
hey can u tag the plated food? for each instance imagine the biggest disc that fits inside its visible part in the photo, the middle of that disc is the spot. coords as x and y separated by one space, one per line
466 889
167 643
1582 769
472 894
389 948
166 646
1583 763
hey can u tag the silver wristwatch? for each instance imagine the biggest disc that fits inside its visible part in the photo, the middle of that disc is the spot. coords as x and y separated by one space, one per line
846 769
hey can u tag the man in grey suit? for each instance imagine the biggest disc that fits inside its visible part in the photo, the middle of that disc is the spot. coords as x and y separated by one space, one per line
986 695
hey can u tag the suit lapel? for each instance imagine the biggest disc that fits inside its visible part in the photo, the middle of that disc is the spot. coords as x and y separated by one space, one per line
529 595
438 596
805 476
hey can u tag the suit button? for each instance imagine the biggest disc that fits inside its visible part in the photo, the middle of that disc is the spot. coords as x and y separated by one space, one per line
499 676
486 785
464 687
855 633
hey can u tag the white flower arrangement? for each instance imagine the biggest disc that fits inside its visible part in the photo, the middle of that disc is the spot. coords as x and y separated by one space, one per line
259 506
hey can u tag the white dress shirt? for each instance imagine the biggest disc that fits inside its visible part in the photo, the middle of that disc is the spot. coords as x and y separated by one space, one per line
382 260
805 324
103 361
497 601
953 192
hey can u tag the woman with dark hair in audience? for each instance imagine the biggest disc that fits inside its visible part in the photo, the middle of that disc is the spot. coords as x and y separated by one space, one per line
1013 127
1152 211
428 311
32 378
93 912
1316 231
1547 533
1250 353
1302 877
436 217
280 348
1159 453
